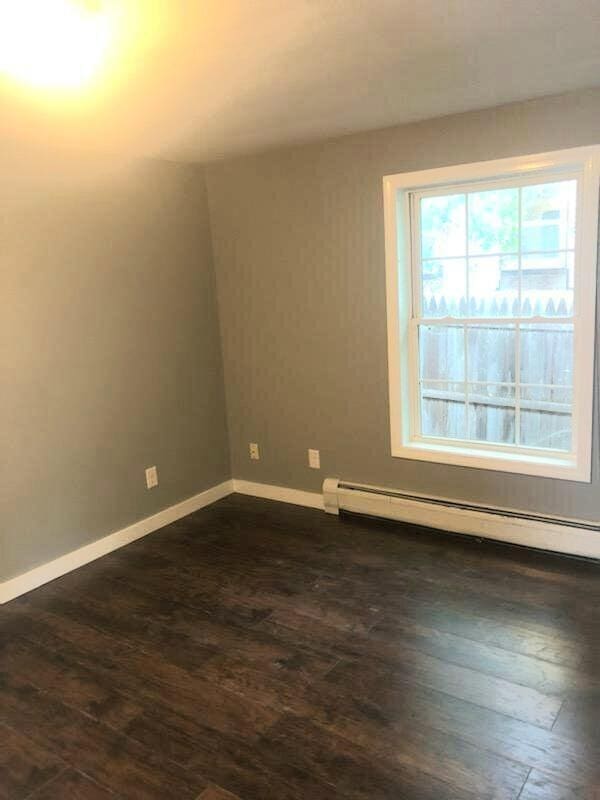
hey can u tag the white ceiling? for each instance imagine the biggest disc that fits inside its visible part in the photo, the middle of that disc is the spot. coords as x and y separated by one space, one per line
236 76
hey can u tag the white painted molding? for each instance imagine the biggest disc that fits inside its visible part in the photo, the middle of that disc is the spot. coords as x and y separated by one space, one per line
542 533
90 552
509 527
282 493
330 495
401 196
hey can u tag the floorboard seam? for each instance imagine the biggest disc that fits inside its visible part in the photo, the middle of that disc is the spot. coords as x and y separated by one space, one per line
47 783
500 647
489 674
524 783
562 705
367 678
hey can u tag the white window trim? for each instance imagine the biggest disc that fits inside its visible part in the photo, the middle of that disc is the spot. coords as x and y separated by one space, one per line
397 188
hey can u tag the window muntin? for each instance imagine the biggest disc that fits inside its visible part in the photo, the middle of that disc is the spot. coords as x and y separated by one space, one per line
494 253
498 251
499 259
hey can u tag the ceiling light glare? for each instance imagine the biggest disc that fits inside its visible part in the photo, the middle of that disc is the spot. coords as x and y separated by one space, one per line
54 44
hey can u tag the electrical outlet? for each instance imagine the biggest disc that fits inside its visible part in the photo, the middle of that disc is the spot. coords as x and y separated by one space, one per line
254 451
314 459
151 478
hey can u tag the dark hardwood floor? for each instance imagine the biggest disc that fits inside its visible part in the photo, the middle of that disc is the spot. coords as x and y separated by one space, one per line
261 651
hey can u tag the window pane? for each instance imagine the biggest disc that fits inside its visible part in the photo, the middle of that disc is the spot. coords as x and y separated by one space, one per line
547 284
491 412
495 254
535 396
443 390
490 423
491 353
493 286
546 393
446 387
479 392
547 354
444 287
442 416
493 221
548 216
546 429
442 352
443 226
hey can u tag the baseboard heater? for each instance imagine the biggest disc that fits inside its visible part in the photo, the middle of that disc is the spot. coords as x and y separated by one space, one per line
559 534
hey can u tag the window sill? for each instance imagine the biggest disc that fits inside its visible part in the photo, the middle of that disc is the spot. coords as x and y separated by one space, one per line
560 467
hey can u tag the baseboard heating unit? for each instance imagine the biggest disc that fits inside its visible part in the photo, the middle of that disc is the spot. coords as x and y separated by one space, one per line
560 534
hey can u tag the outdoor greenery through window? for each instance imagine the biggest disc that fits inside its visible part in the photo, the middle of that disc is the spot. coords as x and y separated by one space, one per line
491 303
495 269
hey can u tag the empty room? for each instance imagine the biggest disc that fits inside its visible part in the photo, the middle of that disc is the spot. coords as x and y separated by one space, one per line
299 400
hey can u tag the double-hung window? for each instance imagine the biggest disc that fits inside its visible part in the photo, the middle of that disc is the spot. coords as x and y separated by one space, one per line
491 290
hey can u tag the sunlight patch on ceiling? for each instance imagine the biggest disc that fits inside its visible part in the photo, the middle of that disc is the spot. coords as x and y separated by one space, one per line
56 45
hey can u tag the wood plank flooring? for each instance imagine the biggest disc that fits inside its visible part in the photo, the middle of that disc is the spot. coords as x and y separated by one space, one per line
260 651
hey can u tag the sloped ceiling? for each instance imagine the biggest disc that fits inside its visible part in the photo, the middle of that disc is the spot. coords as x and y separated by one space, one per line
225 77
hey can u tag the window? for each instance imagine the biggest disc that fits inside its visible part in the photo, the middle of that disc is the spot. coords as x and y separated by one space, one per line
491 285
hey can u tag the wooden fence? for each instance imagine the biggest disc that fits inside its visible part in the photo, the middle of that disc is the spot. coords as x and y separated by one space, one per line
556 305
490 407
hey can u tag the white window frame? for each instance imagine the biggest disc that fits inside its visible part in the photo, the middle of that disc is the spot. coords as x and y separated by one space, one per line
582 163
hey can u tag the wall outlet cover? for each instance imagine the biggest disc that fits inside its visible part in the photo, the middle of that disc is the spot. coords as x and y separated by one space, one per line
314 459
254 451
151 477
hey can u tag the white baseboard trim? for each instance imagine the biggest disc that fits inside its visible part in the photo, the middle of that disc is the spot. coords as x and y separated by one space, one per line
15 587
555 535
541 534
282 493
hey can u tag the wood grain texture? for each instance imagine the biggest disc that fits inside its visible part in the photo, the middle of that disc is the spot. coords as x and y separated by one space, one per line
24 764
258 651
72 785
539 787
216 793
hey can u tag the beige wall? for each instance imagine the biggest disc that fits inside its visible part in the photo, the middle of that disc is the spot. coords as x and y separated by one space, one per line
110 353
299 254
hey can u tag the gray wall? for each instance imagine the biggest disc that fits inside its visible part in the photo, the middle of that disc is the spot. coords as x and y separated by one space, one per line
110 353
299 253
